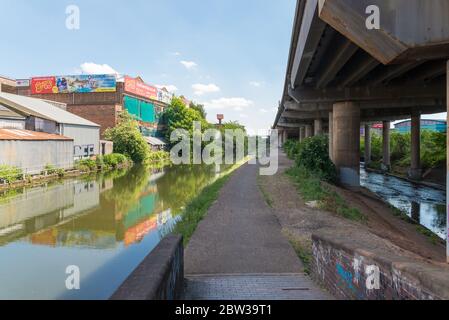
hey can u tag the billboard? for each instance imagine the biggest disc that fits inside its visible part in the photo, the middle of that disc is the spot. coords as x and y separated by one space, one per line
23 83
164 96
137 87
74 84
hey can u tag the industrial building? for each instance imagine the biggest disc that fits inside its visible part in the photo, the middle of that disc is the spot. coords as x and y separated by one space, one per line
37 115
101 98
32 151
426 124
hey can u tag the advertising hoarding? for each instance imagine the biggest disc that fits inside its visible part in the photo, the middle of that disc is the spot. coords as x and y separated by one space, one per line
137 87
74 84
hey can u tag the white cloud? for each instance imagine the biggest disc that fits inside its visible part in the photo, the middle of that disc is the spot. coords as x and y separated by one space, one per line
169 87
263 110
256 84
201 89
94 68
189 64
243 116
236 104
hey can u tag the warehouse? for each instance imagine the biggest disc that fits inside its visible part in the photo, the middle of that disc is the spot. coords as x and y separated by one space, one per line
32 151
41 116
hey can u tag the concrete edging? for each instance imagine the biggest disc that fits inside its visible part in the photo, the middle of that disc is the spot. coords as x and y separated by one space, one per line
160 276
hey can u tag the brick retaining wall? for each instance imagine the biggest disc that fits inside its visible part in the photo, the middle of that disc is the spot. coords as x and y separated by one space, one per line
348 271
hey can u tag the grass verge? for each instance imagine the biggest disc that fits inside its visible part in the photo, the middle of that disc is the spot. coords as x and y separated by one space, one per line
311 189
303 249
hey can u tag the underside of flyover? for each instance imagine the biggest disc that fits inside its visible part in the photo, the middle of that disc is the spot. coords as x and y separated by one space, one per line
342 75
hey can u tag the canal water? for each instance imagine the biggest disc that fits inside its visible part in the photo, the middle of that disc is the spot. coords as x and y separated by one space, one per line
425 205
105 225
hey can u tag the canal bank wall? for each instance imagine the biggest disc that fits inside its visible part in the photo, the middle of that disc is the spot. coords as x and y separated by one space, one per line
351 269
159 277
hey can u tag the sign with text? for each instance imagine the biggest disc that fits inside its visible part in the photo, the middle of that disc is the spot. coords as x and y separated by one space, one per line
137 87
74 84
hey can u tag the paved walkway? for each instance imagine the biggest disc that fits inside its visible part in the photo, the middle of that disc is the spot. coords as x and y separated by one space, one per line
240 242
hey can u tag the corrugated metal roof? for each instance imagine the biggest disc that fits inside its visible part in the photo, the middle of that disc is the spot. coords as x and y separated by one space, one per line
155 141
16 134
39 108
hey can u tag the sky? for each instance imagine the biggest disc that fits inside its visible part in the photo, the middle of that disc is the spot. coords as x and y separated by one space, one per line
229 55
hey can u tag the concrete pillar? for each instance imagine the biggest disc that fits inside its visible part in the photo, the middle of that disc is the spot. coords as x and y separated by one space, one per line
309 131
367 145
331 133
285 137
447 174
280 137
386 163
302 133
346 142
318 127
415 172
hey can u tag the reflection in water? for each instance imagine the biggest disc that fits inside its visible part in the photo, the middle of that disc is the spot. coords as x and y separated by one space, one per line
426 206
105 225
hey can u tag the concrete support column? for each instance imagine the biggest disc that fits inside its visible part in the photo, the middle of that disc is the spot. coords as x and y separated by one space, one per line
302 133
280 137
386 163
285 137
309 131
331 134
415 172
346 142
447 175
367 145
318 127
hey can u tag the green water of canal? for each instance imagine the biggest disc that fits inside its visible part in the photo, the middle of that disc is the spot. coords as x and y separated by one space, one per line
105 225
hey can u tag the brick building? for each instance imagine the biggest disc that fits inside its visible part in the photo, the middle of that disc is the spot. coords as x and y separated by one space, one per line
103 108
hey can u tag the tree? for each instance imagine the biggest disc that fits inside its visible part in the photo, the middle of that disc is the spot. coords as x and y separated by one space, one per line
127 138
200 108
178 116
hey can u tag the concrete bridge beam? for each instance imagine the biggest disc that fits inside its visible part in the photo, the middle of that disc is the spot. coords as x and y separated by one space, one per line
346 142
415 171
302 133
367 145
386 159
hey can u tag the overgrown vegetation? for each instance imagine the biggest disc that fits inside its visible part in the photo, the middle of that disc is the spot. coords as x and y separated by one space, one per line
10 174
107 162
127 139
312 167
433 149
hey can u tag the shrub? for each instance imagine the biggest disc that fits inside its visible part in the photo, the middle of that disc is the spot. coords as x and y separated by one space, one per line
313 154
10 174
114 160
86 165
158 156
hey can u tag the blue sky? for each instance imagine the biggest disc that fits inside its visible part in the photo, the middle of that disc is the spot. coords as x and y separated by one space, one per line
230 55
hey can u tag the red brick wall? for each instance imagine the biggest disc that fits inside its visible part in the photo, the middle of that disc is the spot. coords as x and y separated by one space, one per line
103 114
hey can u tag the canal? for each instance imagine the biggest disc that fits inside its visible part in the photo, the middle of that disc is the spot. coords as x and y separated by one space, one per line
425 205
105 225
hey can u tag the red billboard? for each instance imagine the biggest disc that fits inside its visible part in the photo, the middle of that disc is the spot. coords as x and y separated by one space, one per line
137 87
44 85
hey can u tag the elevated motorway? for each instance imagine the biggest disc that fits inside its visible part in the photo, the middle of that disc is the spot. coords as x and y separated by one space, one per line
343 72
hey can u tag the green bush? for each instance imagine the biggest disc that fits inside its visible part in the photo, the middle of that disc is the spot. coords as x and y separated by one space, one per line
158 156
433 149
10 174
313 154
86 165
114 160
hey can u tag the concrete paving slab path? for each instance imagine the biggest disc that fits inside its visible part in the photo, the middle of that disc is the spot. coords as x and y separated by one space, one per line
241 236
